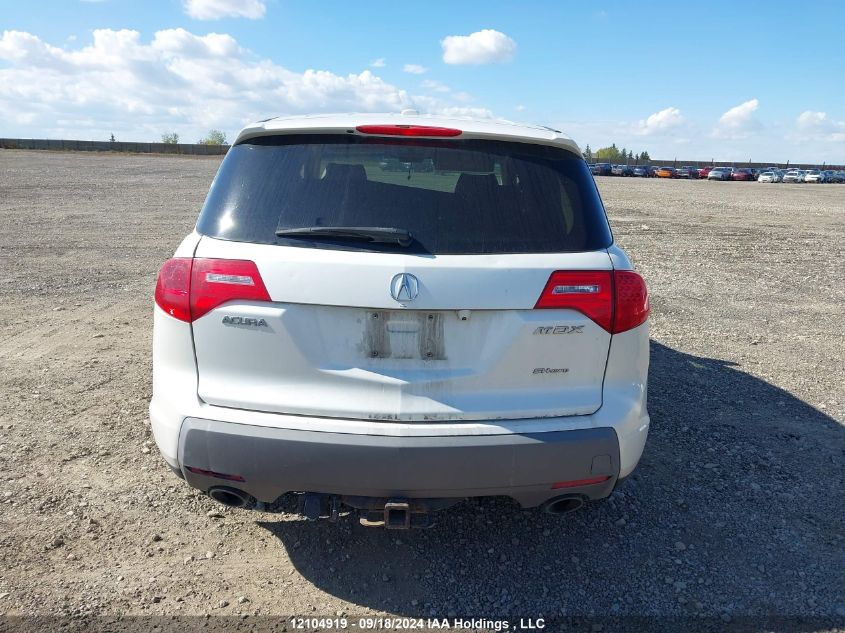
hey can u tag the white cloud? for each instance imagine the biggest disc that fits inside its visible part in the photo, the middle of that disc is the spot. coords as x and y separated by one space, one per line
818 126
482 47
177 81
659 122
415 69
738 122
810 138
434 85
378 63
813 120
216 9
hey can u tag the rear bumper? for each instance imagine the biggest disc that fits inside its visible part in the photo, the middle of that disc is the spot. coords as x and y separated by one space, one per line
276 453
274 461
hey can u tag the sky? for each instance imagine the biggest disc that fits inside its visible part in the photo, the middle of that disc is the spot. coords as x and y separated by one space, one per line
693 80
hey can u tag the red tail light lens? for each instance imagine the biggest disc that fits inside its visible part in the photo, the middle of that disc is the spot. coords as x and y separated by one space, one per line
632 306
173 288
216 281
615 300
211 473
588 291
408 130
579 482
189 288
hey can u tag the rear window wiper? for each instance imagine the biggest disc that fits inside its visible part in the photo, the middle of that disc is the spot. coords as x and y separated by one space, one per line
366 233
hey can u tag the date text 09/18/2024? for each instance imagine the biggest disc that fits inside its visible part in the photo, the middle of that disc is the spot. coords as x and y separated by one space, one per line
418 624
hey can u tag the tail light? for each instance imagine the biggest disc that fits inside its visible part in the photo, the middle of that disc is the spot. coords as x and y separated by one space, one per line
212 473
408 130
216 281
589 292
173 287
189 288
616 300
575 483
631 297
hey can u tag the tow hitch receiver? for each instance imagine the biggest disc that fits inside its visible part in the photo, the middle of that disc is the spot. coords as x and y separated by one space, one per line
397 515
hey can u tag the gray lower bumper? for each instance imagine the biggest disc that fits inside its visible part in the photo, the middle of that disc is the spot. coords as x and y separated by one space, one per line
275 461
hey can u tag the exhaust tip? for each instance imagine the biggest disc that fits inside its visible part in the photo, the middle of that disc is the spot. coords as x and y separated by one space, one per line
562 505
231 497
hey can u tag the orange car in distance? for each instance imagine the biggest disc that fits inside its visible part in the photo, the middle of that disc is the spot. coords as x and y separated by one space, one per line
665 172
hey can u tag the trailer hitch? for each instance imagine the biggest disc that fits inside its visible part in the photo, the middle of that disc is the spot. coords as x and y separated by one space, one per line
397 515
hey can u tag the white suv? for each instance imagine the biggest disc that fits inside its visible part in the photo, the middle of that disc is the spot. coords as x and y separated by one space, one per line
389 313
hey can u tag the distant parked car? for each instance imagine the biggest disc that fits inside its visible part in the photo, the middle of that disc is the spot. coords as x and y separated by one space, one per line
743 173
769 176
703 172
839 176
621 170
720 173
686 172
793 175
642 171
665 172
652 171
813 175
829 175
601 169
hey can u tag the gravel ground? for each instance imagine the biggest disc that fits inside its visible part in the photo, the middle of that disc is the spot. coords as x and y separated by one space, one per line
735 512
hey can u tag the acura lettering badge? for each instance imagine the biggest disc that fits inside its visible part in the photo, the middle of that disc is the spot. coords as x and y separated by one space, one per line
404 287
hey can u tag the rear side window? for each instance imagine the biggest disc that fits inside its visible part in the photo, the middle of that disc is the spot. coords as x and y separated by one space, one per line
454 197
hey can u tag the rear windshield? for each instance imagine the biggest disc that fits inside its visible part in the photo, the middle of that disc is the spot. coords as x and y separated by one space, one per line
453 197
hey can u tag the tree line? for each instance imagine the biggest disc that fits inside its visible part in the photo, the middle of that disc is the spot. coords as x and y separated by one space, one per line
613 154
215 137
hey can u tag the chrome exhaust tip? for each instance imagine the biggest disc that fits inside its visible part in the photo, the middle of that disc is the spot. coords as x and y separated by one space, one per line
231 497
562 505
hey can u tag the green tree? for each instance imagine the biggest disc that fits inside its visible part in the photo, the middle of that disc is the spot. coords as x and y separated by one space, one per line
614 155
588 154
215 137
170 139
608 154
112 139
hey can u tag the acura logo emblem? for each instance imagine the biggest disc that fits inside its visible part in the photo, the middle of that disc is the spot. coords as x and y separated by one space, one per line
404 287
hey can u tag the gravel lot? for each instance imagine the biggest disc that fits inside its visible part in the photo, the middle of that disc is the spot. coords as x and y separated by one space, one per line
735 513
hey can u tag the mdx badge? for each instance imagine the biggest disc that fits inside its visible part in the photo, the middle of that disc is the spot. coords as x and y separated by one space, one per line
250 321
404 287
560 329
